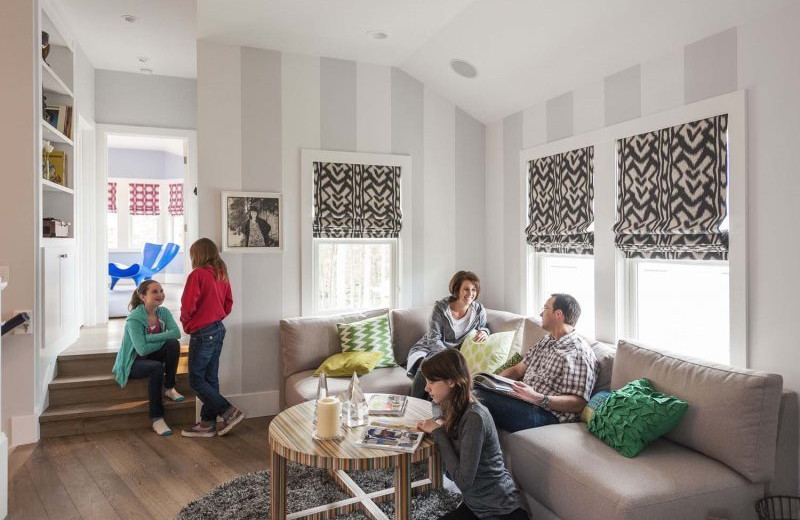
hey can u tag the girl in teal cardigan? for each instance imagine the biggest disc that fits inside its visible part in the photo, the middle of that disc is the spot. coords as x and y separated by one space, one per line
150 349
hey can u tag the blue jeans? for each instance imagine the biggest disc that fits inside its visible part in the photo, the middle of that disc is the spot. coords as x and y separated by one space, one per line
154 366
205 346
512 414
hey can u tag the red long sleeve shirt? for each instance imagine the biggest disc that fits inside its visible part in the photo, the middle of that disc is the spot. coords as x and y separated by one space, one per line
205 299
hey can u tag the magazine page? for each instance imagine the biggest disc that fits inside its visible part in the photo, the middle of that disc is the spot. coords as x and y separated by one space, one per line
385 438
493 382
387 404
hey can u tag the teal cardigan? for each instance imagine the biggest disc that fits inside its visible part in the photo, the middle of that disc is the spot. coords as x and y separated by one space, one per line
138 341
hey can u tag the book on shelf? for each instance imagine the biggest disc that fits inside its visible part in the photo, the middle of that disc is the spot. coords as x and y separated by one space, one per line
494 383
386 438
387 404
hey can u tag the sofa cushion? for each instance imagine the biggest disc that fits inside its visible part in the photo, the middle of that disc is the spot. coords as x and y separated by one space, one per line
604 352
302 386
502 321
408 326
370 335
488 355
634 416
737 426
576 476
306 342
344 364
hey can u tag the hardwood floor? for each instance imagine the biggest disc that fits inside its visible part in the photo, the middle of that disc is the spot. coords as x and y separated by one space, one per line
128 475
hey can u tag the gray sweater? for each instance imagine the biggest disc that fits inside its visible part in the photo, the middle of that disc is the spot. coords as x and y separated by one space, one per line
440 333
474 461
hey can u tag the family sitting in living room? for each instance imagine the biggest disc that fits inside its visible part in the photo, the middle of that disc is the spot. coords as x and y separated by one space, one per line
553 383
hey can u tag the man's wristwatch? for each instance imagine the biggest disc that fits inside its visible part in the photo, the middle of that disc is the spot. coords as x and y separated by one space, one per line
545 402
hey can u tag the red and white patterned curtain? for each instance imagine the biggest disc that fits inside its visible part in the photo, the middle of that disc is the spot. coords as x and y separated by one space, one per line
112 197
176 199
144 199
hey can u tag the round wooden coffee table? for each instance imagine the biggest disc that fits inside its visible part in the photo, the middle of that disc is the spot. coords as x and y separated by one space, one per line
290 440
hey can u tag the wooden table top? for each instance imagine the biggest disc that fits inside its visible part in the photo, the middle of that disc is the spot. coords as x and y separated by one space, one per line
290 436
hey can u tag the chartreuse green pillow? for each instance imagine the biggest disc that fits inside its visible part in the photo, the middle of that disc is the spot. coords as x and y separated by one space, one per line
344 364
370 335
636 415
514 360
488 355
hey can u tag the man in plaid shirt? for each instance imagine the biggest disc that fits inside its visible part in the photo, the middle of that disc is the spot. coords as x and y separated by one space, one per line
555 379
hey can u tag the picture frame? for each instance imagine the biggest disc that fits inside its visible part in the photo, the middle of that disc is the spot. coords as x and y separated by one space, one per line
252 222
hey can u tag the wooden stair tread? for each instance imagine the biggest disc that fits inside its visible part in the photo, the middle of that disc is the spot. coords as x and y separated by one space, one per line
98 379
102 355
101 409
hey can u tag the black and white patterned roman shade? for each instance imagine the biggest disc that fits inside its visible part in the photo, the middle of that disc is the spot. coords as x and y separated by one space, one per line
560 202
672 192
356 201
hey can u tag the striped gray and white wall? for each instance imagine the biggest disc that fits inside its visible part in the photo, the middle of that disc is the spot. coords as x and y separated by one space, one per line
257 109
760 57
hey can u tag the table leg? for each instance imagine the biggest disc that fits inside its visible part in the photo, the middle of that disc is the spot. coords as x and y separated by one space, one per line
435 469
277 485
402 488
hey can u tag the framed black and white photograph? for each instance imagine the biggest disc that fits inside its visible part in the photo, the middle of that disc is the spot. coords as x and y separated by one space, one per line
251 222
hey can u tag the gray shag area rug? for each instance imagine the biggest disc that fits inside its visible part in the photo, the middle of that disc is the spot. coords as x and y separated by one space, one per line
247 497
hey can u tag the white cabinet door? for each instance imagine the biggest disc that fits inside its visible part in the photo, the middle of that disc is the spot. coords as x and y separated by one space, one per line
59 295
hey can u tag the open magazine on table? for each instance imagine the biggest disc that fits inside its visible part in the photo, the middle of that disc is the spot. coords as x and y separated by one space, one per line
387 404
385 438
494 383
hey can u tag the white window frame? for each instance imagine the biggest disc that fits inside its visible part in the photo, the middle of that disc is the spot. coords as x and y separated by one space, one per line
402 248
610 271
124 218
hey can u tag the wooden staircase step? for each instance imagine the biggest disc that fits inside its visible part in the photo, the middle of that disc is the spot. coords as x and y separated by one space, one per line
94 417
101 363
104 388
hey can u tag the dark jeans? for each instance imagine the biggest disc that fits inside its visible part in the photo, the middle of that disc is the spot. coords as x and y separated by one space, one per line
512 414
205 346
155 366
462 512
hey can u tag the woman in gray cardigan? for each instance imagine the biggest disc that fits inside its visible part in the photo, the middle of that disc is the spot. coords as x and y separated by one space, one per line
452 320
468 443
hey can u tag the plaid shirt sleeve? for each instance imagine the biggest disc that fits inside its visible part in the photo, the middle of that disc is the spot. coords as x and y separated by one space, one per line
578 374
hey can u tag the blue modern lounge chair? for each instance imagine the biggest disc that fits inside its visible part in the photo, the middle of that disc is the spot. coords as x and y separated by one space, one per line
152 253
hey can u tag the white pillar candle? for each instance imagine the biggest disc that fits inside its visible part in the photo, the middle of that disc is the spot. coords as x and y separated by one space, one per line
328 409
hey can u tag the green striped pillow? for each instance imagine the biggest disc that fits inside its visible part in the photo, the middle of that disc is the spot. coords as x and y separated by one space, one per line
370 335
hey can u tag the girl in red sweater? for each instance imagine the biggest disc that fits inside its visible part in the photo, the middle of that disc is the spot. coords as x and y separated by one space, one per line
206 300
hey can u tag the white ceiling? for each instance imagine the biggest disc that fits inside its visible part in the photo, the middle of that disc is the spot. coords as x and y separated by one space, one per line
526 51
142 142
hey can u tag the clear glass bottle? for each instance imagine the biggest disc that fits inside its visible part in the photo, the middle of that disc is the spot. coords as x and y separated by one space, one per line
322 391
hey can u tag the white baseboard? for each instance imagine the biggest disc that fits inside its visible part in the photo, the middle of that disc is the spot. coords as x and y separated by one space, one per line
24 429
258 404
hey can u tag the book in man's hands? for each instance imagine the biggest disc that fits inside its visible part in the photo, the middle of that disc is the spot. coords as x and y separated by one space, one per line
495 383
387 404
385 438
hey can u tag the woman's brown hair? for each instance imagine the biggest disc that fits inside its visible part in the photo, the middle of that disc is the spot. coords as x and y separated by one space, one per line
450 365
458 279
204 252
141 290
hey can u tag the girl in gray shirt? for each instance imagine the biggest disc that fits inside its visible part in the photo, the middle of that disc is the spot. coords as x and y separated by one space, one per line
468 443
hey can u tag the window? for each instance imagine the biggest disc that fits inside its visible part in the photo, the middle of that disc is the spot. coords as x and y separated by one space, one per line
112 223
354 275
177 231
570 274
681 306
143 228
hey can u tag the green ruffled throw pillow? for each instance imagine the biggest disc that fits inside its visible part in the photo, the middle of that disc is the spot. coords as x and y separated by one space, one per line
636 415
345 363
370 335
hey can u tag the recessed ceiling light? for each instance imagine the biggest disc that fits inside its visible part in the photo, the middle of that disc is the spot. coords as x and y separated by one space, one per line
146 71
463 68
378 35
129 18
143 59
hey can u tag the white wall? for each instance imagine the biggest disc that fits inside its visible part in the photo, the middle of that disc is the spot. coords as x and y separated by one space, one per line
760 57
124 98
257 109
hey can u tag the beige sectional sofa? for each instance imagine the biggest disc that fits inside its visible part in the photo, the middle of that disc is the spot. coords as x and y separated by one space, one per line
737 442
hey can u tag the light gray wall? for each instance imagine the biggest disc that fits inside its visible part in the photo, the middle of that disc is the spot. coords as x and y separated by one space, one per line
258 109
144 164
84 83
124 98
760 57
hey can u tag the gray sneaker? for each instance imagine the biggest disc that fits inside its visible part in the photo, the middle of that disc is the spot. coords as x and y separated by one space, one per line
229 420
199 430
